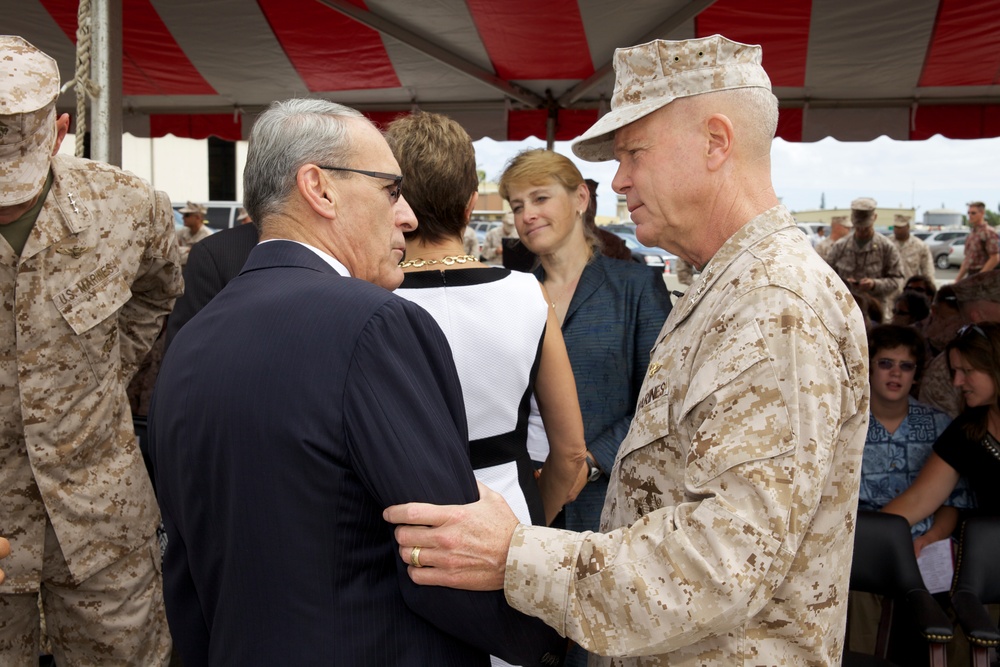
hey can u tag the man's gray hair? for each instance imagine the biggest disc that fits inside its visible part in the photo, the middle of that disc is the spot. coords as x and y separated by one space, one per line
759 111
285 137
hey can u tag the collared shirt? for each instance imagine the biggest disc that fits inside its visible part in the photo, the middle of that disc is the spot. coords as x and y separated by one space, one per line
892 461
731 506
979 245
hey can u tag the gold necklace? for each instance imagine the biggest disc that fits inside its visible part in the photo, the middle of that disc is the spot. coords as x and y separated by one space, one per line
417 262
568 288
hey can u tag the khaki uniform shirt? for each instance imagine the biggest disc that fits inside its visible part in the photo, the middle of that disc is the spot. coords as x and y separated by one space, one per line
878 259
916 258
823 247
492 246
731 507
81 307
186 239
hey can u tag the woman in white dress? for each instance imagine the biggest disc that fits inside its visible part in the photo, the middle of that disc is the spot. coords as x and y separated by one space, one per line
503 333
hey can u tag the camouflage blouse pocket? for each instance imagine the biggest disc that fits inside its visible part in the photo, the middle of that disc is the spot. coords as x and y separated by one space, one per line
91 309
650 423
739 413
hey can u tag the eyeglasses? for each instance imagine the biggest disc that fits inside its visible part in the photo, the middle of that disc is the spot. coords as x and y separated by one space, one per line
397 180
889 364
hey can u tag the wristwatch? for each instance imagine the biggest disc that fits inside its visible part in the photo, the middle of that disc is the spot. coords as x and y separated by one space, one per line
594 471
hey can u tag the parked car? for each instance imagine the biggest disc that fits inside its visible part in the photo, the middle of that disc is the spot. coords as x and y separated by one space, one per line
940 245
956 254
658 259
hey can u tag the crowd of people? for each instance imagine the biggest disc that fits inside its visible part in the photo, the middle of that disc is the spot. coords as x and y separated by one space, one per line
374 445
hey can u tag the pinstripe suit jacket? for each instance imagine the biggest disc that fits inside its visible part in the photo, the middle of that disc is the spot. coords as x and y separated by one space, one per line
288 414
212 263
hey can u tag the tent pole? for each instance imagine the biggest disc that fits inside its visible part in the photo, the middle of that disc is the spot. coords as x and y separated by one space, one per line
106 64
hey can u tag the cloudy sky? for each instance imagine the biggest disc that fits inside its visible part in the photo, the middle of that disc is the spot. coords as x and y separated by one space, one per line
924 175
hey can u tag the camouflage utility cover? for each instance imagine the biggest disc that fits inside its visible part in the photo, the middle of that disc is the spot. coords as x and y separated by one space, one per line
732 503
650 76
29 86
82 305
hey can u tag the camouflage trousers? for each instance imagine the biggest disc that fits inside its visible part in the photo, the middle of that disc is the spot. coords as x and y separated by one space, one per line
115 617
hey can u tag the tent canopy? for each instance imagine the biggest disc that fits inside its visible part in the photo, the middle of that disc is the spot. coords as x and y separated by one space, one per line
509 69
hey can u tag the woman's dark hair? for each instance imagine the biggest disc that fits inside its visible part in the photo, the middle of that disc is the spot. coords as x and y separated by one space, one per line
891 336
979 345
870 307
946 295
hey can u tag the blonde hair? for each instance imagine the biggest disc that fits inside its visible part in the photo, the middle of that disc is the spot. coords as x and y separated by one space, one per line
537 166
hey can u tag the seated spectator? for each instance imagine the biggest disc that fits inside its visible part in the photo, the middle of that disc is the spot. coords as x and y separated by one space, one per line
909 308
970 446
978 301
871 308
901 431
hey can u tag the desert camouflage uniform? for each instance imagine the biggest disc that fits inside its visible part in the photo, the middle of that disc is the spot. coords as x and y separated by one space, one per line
878 259
916 258
823 247
936 388
186 239
732 502
82 305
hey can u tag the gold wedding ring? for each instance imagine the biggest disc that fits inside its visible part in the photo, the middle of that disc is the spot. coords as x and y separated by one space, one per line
415 557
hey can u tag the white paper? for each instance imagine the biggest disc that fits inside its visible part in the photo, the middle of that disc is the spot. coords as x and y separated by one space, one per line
936 565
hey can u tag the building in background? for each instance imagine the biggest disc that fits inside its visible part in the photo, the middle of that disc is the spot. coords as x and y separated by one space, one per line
938 218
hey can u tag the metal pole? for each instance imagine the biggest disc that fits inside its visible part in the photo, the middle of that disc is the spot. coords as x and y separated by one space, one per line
106 70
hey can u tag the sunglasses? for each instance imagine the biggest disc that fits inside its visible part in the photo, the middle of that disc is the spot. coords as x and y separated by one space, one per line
973 328
397 180
889 364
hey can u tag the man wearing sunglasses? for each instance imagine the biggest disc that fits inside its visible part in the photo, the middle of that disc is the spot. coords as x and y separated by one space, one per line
297 405
978 301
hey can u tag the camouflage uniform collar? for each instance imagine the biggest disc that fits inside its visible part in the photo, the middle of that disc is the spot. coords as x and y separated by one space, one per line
758 228
63 213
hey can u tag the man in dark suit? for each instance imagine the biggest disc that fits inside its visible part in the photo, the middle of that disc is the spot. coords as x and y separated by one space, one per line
297 405
210 266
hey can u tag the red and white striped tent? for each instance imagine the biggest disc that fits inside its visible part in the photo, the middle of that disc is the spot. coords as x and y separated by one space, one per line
509 69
